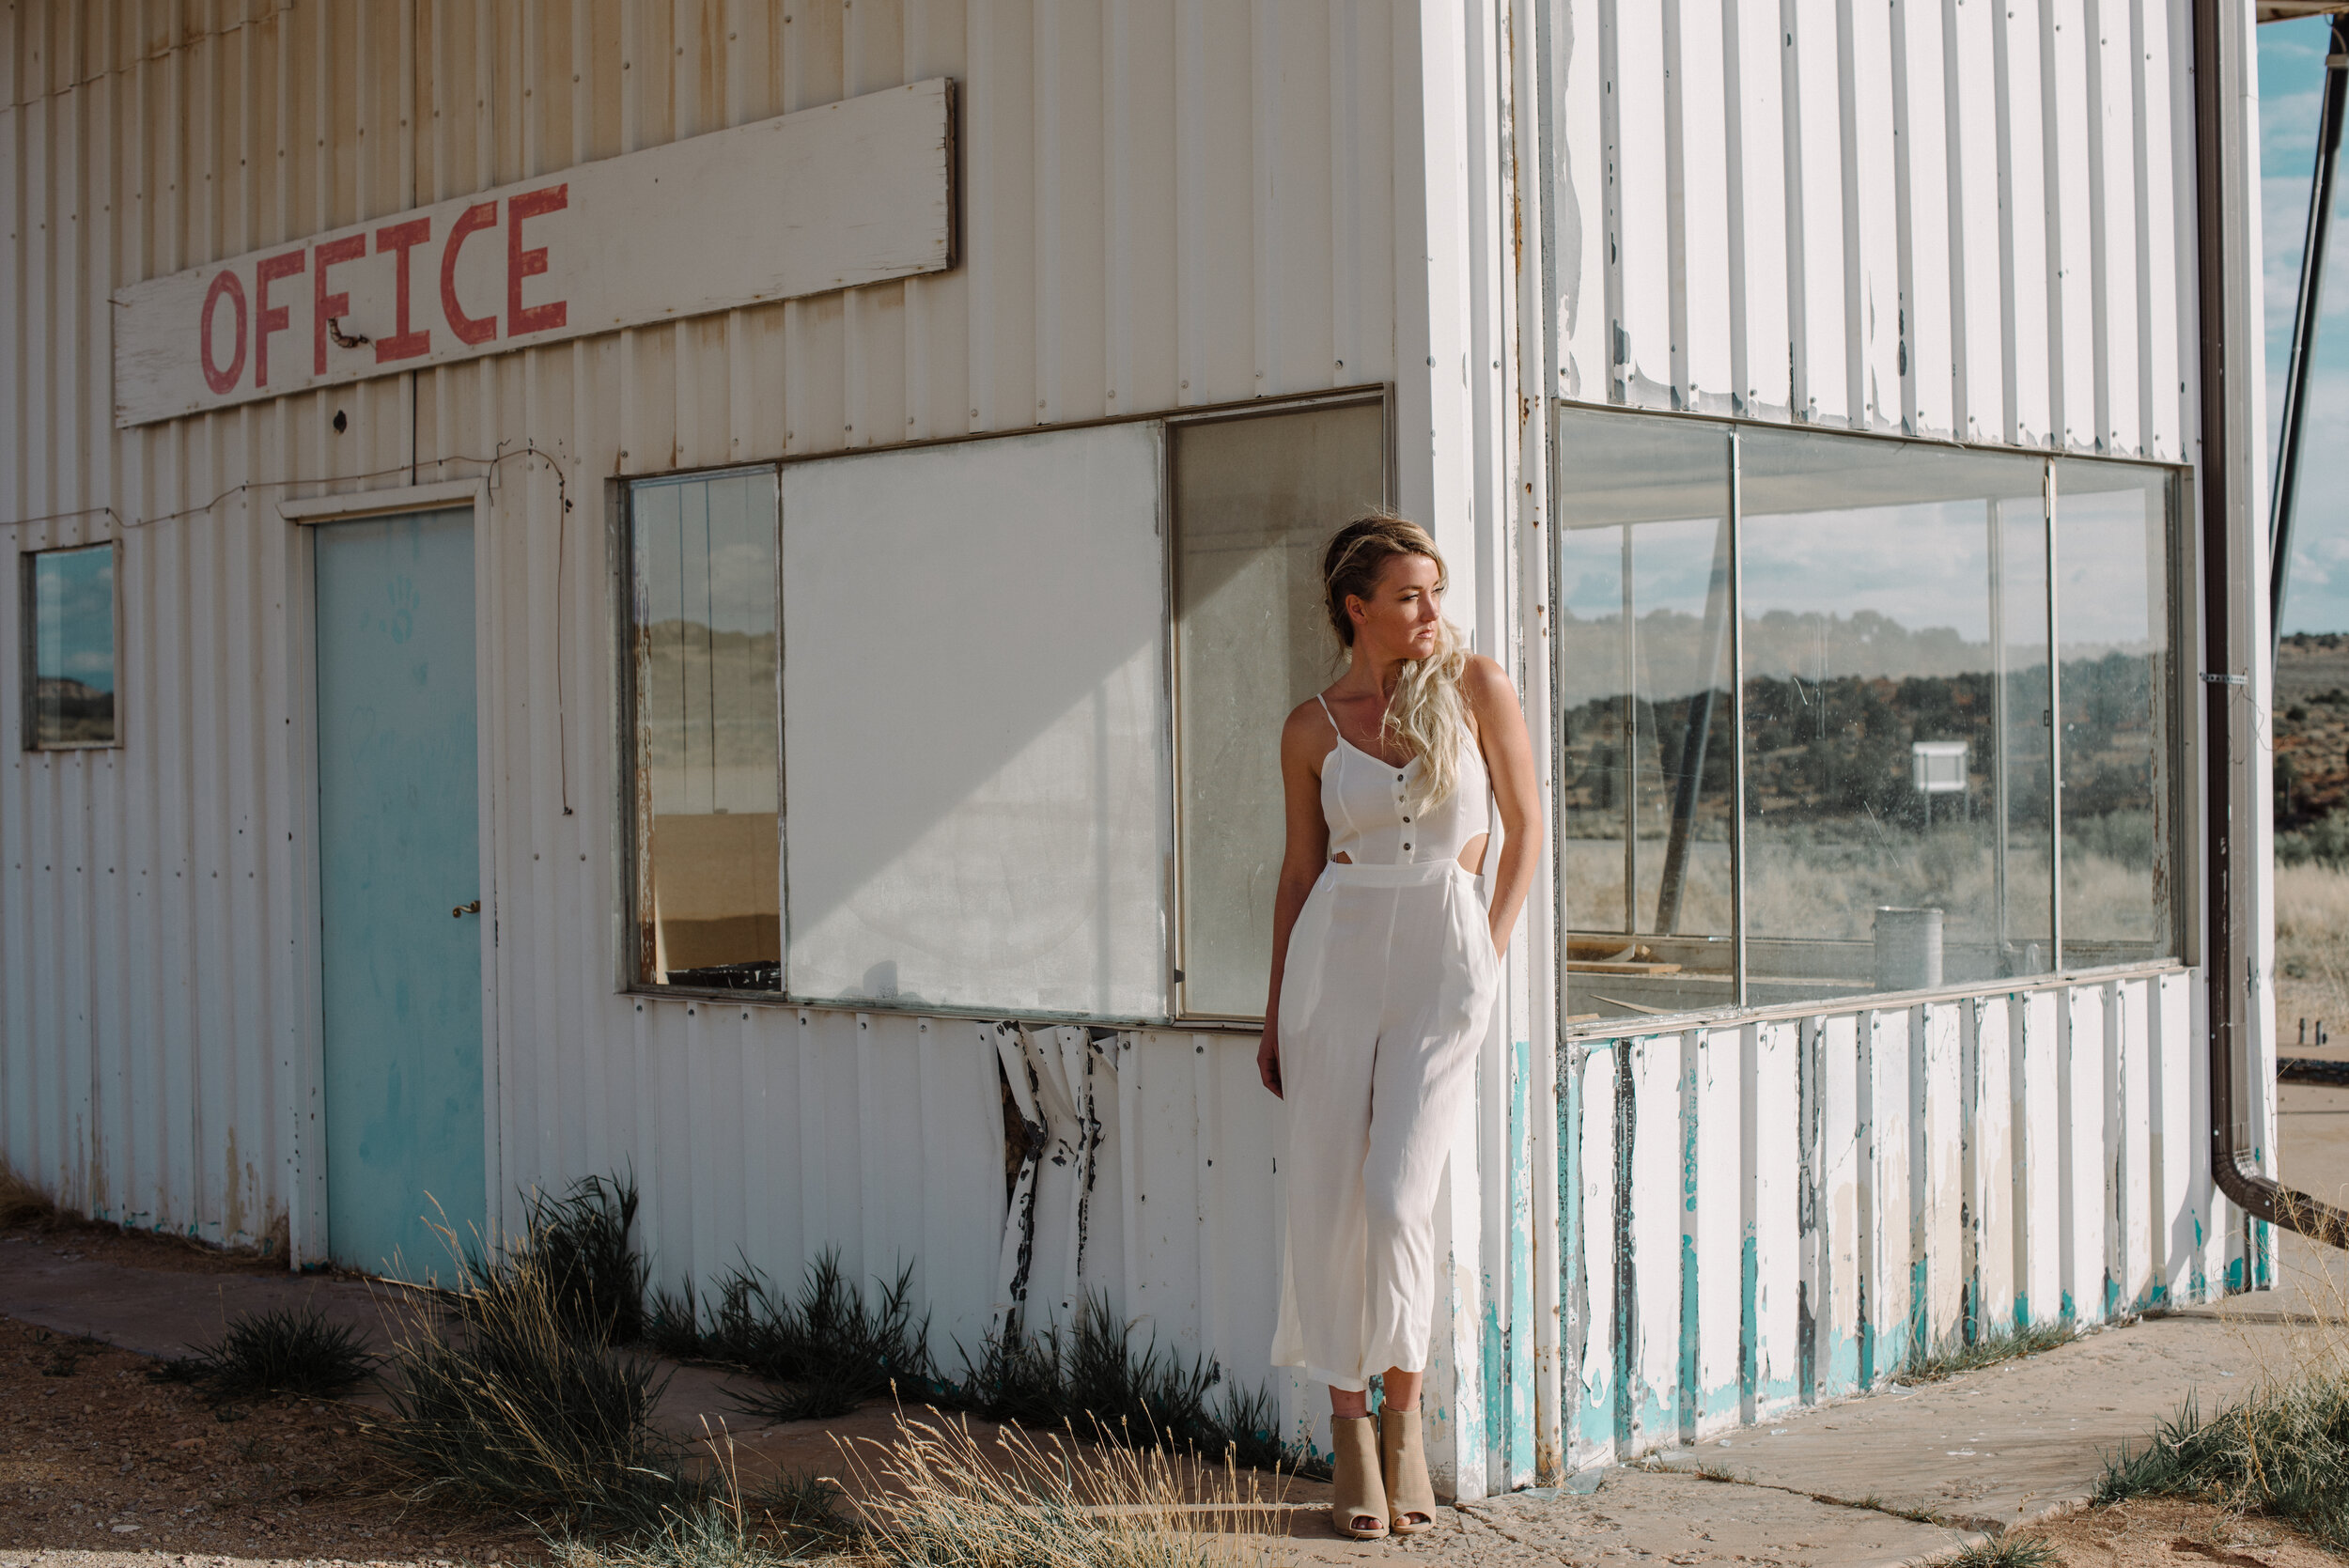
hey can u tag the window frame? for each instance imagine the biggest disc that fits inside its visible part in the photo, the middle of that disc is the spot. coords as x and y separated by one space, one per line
28 647
620 572
1382 397
627 784
2178 625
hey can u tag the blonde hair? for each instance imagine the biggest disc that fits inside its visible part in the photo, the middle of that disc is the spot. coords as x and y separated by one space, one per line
1428 712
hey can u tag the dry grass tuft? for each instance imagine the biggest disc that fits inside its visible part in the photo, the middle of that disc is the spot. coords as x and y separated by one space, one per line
2281 1451
1987 1351
21 1201
502 1397
938 1496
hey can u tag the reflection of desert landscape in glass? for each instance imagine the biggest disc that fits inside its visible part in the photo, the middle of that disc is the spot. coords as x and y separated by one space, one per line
1836 828
67 713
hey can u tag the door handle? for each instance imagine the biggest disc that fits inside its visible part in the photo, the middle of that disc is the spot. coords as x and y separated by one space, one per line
463 910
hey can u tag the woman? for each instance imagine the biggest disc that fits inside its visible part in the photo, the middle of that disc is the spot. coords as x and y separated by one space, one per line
1371 1034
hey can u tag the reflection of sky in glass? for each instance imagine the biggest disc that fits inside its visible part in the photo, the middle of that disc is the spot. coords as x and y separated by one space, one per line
2109 559
1677 575
1919 567
722 532
74 615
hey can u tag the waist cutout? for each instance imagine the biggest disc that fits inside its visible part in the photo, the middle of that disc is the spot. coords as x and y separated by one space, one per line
1347 872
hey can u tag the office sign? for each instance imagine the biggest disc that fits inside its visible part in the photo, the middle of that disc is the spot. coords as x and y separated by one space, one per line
856 191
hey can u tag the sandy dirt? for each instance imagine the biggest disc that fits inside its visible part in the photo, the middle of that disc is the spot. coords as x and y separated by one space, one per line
95 1456
2165 1534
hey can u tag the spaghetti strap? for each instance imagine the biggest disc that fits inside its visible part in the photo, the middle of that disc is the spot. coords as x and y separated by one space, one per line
1332 717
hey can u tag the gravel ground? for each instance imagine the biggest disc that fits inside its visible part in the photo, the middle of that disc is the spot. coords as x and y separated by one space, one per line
94 1456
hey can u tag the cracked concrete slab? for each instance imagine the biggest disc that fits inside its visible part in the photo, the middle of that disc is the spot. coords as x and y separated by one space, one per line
2009 1444
1649 1517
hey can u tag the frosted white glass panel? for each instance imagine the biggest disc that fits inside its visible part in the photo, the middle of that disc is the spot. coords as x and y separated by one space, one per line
975 758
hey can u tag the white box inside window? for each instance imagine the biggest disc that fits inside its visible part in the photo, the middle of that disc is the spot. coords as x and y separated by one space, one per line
974 726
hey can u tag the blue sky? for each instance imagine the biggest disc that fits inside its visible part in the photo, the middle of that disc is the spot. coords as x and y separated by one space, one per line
2291 76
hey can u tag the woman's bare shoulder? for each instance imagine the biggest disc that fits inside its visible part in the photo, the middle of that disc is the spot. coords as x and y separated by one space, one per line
1307 721
1485 681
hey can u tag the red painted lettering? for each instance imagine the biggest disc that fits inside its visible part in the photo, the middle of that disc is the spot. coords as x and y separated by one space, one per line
521 263
325 307
268 320
218 380
469 329
399 238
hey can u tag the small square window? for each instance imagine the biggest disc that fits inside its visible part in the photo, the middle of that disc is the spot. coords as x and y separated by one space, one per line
69 609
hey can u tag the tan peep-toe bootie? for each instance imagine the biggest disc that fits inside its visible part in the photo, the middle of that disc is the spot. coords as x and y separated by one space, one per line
1358 1503
1403 1469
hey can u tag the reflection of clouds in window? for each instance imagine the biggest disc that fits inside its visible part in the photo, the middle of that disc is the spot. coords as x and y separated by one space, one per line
74 616
2108 553
1910 565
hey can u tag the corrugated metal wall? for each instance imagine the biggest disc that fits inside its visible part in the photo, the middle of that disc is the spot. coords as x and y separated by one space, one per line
1957 218
1791 1211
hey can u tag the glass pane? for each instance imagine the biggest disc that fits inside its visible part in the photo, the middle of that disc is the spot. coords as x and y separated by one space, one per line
2112 565
1895 622
708 882
73 647
1255 500
1643 714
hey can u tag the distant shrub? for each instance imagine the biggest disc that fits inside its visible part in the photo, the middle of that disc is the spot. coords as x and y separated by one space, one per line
2324 841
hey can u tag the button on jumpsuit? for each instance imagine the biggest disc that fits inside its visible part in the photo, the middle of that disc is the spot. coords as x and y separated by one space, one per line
1389 983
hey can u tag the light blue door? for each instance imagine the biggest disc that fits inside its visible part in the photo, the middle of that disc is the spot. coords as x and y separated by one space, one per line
398 849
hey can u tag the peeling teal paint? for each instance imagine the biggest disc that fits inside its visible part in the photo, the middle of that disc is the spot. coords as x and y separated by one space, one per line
1690 1399
1517 1414
1839 1354
1749 1315
2065 1310
2022 1309
1919 1313
2234 1276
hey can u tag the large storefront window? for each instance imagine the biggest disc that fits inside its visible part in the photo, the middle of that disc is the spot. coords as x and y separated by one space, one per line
1883 815
1255 500
702 645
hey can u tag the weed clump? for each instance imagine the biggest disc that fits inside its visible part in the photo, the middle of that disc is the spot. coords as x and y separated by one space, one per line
577 1250
507 1392
288 1351
941 1499
21 1201
1951 1361
2283 1451
827 1349
2007 1551
721 1531
1089 1375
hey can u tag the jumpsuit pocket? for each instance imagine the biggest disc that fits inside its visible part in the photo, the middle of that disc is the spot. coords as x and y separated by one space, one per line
1308 957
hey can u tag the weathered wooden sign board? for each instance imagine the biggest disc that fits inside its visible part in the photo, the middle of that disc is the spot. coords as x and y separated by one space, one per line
855 191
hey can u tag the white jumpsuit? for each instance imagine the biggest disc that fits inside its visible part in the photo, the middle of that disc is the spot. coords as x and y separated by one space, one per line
1389 983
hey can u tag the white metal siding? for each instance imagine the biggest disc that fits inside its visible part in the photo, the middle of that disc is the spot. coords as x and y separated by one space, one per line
1952 218
1791 1211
